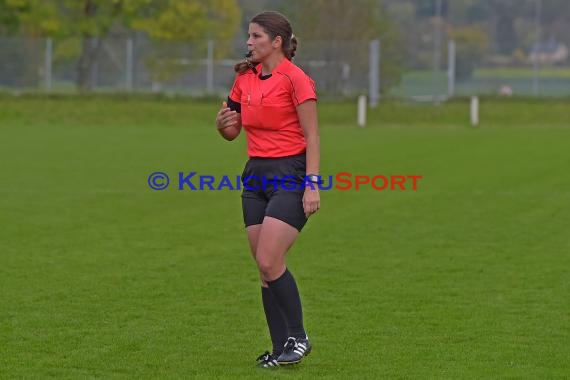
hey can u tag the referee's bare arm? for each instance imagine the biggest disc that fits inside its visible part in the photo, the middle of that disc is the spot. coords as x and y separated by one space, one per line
228 122
307 112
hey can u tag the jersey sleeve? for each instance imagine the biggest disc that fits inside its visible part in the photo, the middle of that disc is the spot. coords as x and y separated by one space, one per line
303 89
235 96
235 92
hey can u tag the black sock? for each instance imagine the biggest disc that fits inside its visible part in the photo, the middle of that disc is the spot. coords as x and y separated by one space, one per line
275 321
286 294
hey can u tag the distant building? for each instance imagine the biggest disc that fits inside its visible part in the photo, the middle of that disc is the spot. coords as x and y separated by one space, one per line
549 52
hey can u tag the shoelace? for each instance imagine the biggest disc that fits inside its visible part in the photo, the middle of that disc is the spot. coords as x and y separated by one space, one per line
290 345
264 357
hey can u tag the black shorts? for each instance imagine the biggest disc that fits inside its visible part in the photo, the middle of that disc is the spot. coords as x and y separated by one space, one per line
274 187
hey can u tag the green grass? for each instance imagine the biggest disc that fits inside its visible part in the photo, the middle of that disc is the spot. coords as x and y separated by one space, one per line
464 278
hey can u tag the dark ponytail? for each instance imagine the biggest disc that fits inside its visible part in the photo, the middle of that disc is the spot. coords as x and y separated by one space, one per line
246 64
290 52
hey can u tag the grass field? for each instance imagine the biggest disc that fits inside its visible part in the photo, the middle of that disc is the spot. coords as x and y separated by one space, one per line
465 278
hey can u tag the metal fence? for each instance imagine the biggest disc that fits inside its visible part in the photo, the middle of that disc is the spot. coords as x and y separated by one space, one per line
141 65
454 71
427 70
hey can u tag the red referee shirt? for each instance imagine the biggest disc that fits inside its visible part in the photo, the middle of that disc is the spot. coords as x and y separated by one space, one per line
268 109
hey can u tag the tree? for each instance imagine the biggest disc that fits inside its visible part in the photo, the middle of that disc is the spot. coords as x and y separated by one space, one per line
554 17
505 15
340 30
95 20
9 16
472 44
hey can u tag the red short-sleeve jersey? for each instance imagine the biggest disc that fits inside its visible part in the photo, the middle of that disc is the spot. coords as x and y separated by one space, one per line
268 109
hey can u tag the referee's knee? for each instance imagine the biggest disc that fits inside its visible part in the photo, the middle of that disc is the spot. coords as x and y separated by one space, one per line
269 270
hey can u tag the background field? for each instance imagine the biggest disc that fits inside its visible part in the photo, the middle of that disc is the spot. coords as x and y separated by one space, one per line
100 276
554 82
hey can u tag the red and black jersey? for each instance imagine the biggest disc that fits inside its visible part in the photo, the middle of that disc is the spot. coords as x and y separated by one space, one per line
268 109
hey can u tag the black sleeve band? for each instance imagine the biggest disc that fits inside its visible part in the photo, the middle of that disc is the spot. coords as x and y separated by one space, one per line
234 106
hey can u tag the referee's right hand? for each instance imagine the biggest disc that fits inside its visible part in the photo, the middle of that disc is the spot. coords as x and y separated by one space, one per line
226 117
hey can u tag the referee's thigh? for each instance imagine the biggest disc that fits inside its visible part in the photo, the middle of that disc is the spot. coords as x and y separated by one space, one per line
287 206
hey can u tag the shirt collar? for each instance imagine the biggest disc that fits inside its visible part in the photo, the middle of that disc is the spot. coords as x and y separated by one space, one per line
280 68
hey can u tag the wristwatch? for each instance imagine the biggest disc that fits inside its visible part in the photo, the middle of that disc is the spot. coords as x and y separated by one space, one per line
314 178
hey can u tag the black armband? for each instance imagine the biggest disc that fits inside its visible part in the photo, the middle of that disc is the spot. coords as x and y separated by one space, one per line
234 106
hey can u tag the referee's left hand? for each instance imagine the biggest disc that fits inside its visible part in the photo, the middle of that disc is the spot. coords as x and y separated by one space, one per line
311 200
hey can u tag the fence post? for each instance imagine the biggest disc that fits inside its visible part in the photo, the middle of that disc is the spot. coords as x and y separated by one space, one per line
450 68
210 68
94 66
474 111
536 64
361 111
48 63
129 65
374 74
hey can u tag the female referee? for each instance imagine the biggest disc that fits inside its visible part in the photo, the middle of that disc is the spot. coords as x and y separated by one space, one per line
275 102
